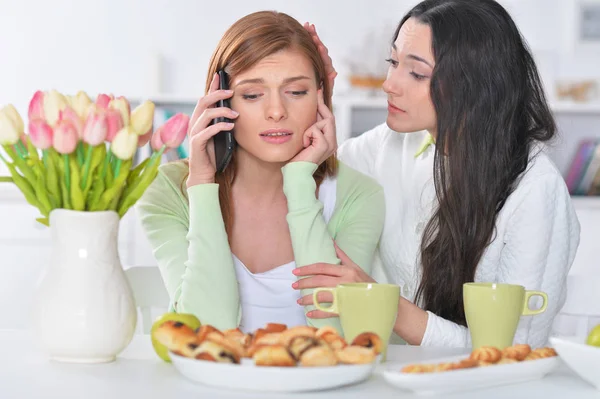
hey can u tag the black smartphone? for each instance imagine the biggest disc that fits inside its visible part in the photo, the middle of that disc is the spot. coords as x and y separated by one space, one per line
224 141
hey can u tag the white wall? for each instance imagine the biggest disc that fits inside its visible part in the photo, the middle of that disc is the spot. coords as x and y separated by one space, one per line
112 45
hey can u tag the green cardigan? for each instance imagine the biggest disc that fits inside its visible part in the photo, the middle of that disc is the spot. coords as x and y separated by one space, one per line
191 247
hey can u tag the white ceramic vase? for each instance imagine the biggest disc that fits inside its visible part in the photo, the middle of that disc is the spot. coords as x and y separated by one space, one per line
84 308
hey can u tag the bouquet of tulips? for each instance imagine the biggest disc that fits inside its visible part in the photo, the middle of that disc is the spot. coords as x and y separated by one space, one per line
78 154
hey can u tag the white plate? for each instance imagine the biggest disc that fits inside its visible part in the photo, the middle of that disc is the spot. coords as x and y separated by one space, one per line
581 358
468 379
247 376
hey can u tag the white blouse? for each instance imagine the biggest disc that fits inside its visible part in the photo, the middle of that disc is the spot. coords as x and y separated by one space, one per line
268 297
537 230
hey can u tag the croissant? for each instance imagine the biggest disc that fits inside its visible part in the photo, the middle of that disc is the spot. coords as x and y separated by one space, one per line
319 355
418 368
516 352
369 340
273 355
486 354
355 355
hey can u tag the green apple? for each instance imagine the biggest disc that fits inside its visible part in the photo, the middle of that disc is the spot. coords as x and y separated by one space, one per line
186 318
594 336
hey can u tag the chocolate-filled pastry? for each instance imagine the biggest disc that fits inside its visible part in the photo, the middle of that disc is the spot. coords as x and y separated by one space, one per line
227 343
369 340
355 355
216 352
335 341
177 337
299 331
274 356
299 345
269 339
318 356
516 352
203 331
236 335
488 354
275 327
257 335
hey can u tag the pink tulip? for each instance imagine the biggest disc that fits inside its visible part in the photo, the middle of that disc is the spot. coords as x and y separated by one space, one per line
144 138
103 100
40 134
156 142
95 128
65 137
114 123
174 130
70 115
36 106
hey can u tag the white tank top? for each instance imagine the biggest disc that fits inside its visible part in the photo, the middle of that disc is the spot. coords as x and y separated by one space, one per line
269 297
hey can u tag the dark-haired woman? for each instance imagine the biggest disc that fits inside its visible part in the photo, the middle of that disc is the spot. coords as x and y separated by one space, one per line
470 194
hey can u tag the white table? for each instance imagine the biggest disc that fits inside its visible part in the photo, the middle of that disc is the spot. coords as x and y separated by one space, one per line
25 373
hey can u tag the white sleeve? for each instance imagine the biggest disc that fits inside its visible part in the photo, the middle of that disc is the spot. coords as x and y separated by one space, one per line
540 245
539 248
360 152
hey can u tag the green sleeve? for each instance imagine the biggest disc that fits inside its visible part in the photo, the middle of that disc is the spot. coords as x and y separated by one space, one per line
360 213
195 262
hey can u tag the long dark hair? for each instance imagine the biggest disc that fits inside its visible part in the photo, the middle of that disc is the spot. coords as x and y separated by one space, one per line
491 109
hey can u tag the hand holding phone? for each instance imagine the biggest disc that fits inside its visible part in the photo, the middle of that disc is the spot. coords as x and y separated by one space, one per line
223 141
207 122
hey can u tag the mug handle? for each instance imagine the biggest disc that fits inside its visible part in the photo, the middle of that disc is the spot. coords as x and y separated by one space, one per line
527 311
333 308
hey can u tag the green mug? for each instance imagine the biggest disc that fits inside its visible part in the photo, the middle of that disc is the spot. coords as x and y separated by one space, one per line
364 307
493 311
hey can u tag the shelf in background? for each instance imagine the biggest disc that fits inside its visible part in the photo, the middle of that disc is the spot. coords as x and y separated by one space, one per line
585 202
358 101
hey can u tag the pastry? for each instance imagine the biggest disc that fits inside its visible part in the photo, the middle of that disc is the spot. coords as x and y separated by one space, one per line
486 354
467 364
516 352
334 340
236 335
275 327
273 355
177 337
300 331
369 340
507 360
299 345
269 339
545 352
318 356
203 331
418 368
216 352
258 334
445 367
355 355
326 330
228 343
